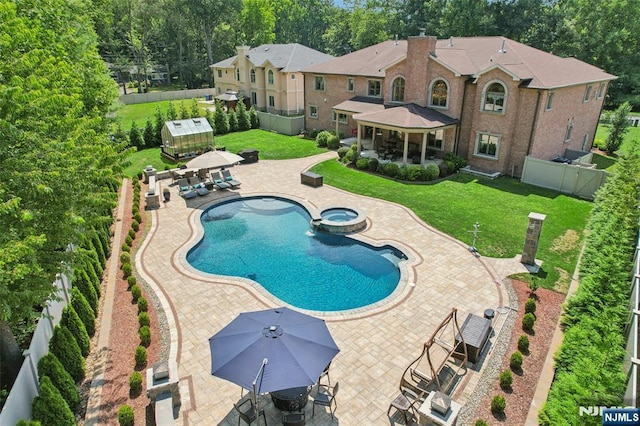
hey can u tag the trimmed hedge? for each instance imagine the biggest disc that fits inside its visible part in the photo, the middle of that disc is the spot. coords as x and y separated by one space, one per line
141 356
82 283
50 366
50 408
135 381
498 404
72 321
65 348
589 364
84 311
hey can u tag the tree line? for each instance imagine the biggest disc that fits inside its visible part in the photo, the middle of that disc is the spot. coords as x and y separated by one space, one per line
186 36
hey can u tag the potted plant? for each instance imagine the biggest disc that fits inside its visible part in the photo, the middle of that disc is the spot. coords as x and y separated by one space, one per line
166 194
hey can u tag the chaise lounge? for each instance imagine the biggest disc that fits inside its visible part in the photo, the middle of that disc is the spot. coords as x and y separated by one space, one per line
218 182
185 190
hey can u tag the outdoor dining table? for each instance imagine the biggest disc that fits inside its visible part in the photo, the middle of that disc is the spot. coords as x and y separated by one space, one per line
293 399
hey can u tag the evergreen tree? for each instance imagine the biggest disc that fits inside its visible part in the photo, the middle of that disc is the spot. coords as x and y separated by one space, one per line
84 311
244 121
195 110
233 120
65 348
149 135
184 112
135 137
50 408
253 117
619 127
172 114
157 128
50 366
210 119
220 119
71 320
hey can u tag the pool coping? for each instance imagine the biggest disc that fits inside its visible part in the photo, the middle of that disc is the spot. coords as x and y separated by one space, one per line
403 290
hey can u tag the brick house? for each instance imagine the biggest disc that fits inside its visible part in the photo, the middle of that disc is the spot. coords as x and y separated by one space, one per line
491 100
268 75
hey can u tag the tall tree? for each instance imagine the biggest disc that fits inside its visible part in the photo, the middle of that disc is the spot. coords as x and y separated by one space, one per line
466 18
258 22
368 24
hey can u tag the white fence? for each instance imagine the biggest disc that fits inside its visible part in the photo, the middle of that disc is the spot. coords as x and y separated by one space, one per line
141 98
25 388
579 178
281 124
631 364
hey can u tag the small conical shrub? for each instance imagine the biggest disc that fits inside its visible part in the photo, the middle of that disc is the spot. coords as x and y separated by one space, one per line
498 404
135 382
125 415
141 356
528 320
136 292
49 408
143 319
65 348
50 366
143 305
72 321
523 343
82 283
530 305
84 311
145 335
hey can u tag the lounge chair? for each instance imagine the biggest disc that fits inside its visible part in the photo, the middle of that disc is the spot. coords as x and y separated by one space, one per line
218 182
226 175
198 186
185 190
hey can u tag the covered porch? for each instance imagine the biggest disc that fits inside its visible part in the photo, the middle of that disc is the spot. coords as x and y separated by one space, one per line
409 134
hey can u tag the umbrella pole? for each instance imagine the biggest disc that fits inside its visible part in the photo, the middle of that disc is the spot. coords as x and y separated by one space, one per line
256 387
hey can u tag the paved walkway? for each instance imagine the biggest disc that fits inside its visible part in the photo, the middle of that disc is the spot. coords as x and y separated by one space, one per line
377 344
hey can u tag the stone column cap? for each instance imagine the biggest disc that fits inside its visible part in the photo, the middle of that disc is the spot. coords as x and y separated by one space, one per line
537 216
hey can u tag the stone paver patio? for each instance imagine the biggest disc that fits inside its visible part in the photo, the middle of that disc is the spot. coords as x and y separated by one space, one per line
376 344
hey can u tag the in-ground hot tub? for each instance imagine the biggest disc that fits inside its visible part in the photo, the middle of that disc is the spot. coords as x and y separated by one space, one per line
340 220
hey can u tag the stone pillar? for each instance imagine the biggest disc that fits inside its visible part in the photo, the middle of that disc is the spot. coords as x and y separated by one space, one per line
532 237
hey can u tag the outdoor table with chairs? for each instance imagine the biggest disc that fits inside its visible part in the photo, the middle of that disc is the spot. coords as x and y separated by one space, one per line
293 399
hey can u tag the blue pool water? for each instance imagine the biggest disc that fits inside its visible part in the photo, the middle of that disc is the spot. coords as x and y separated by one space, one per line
270 241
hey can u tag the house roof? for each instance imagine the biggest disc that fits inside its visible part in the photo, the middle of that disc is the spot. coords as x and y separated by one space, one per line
360 104
190 126
472 56
290 57
408 116
369 62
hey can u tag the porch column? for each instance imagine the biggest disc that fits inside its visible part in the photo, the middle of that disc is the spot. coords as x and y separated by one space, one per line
423 153
359 143
337 134
405 148
374 135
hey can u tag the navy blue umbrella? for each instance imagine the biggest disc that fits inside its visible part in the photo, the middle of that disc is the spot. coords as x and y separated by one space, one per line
271 350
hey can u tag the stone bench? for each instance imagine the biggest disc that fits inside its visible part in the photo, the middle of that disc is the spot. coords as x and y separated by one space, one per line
311 179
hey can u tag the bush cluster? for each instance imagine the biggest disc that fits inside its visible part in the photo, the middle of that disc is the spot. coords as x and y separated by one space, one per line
498 404
515 362
528 320
530 306
506 379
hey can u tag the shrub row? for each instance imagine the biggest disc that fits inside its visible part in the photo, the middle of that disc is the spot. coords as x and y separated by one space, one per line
589 368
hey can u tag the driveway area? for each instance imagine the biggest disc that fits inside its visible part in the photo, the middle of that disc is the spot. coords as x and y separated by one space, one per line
377 343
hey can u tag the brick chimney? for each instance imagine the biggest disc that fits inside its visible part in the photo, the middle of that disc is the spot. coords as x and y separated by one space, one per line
418 50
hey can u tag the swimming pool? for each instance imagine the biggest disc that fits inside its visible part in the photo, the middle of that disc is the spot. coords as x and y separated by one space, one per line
270 241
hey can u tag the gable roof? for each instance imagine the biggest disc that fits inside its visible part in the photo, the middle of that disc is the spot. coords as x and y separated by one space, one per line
290 57
190 126
472 56
368 62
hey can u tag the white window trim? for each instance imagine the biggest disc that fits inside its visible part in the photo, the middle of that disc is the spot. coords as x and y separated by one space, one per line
486 156
484 97
353 81
252 75
588 91
324 83
237 74
393 83
311 114
549 103
601 90
568 135
430 95
273 77
269 101
379 95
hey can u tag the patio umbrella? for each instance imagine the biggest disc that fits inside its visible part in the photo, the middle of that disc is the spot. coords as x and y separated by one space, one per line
271 350
214 159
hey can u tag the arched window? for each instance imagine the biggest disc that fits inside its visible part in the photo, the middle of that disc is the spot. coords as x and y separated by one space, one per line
270 77
439 93
494 97
252 75
397 90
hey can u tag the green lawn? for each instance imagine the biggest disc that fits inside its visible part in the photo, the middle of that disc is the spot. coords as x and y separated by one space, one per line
500 206
630 138
127 114
271 146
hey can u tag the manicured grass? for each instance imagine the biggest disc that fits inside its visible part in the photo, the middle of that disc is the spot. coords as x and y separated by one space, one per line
628 143
271 146
500 206
139 113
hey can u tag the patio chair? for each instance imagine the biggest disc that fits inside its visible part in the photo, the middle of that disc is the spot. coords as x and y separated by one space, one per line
406 401
184 189
226 175
218 182
325 373
293 419
326 397
198 186
248 413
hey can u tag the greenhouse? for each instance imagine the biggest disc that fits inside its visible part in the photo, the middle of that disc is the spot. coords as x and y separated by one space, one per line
186 138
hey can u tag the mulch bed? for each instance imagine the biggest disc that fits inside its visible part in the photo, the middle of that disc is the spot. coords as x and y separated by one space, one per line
518 399
124 339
